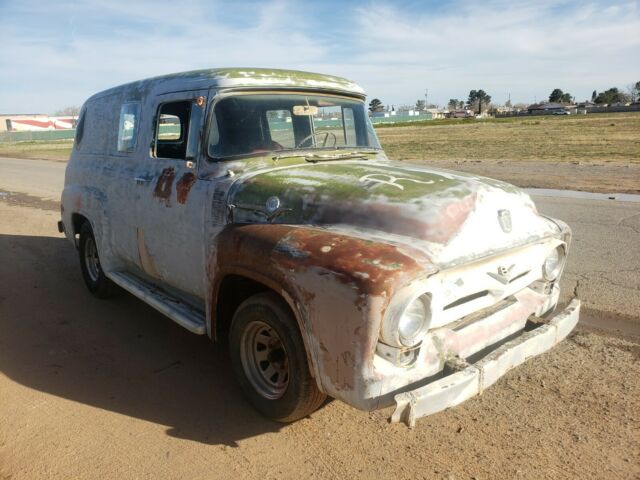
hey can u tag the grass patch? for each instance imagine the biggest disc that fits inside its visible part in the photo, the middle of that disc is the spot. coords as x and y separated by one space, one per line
613 137
47 150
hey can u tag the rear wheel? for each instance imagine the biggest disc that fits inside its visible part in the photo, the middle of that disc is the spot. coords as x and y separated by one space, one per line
92 273
270 361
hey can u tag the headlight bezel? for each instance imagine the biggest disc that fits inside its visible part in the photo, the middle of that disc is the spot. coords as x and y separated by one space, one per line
552 274
391 331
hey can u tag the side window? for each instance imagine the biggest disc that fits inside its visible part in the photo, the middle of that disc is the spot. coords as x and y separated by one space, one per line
172 130
281 128
80 126
128 127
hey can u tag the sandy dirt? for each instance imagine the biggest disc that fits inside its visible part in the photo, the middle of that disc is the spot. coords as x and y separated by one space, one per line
112 389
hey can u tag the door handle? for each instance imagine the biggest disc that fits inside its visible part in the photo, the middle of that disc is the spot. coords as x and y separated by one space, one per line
141 180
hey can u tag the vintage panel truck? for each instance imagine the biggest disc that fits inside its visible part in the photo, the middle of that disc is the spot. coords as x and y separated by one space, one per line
257 207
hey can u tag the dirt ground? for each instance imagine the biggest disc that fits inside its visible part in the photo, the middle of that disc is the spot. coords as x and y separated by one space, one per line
112 389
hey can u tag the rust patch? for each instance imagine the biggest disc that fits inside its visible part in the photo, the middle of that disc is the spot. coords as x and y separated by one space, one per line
183 186
165 185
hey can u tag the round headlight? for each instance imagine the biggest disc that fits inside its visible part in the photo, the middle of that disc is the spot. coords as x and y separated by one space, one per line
553 264
412 322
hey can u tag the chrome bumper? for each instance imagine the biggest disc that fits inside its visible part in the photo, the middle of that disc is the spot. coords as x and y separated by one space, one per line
474 379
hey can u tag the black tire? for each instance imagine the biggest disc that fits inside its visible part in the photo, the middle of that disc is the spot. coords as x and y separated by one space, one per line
300 396
93 275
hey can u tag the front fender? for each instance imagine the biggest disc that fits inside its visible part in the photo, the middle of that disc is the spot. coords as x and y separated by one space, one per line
338 285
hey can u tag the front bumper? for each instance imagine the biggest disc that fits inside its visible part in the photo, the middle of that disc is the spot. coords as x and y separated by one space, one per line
474 379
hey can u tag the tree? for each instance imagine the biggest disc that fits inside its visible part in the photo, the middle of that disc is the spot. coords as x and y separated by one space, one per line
477 98
634 92
375 105
613 95
558 95
593 96
420 105
68 111
454 103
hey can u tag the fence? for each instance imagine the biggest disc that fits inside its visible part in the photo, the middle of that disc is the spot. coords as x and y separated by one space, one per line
46 135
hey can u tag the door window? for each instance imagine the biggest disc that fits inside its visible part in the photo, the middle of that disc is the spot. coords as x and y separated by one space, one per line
172 130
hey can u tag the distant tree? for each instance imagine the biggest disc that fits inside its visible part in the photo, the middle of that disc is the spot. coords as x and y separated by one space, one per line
420 105
454 103
477 98
68 111
558 95
594 94
613 95
461 104
634 91
507 104
375 105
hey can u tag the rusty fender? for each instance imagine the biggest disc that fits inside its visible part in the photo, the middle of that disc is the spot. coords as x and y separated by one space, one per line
337 285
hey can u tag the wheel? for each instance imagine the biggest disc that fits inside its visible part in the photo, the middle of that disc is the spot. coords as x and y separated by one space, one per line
270 361
94 278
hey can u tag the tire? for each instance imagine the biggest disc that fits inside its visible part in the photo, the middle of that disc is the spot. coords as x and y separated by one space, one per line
92 273
270 361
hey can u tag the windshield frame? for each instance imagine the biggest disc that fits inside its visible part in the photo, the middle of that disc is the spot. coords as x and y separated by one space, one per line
290 152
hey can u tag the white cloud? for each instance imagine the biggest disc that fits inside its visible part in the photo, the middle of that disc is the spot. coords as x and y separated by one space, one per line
59 53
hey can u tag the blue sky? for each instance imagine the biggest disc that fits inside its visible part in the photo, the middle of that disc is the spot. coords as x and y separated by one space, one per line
56 54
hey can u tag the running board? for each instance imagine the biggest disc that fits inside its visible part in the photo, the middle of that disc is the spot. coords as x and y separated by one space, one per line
178 311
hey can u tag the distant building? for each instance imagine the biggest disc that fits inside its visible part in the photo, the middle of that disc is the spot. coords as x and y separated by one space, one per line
435 113
22 122
549 108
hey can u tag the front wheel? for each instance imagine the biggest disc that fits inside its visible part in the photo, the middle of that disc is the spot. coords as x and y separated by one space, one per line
92 273
270 361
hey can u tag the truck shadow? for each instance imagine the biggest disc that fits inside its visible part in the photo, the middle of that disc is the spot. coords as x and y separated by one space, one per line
119 355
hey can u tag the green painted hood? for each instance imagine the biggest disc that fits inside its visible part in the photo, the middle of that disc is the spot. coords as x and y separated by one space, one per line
391 199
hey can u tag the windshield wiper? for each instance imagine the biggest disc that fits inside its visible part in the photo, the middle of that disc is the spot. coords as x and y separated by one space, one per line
315 157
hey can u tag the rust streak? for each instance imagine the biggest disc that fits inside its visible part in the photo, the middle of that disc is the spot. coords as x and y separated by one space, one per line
165 185
183 186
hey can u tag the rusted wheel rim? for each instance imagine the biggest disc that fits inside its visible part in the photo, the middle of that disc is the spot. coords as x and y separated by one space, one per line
264 360
91 259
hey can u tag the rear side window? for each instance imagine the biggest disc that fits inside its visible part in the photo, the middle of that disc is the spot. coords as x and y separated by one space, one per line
80 126
128 127
172 130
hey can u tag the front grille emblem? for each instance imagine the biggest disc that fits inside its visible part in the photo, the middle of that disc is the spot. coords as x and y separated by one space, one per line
504 219
504 274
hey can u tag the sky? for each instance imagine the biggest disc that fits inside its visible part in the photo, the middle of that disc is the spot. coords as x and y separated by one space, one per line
56 54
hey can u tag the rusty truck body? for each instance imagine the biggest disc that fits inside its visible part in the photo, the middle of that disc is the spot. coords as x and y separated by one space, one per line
256 206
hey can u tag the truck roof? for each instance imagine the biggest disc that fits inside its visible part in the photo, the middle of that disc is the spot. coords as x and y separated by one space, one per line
235 78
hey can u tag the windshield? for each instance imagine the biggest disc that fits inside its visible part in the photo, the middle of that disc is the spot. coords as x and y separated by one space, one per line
249 124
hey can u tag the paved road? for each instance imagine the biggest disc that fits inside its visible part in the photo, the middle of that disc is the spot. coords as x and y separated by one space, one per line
604 265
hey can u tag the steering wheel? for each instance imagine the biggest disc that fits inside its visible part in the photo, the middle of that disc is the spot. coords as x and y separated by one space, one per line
317 134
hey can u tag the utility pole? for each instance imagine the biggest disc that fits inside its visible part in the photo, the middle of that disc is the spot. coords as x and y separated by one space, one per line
426 99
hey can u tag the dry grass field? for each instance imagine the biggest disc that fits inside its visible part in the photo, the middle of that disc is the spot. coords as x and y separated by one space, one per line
55 150
611 137
597 152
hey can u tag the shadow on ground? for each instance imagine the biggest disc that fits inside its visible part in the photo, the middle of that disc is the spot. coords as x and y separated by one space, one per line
118 355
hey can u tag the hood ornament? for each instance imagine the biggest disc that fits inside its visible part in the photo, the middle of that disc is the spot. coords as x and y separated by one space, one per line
504 219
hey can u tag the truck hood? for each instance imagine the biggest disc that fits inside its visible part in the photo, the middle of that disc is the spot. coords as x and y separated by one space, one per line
453 217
